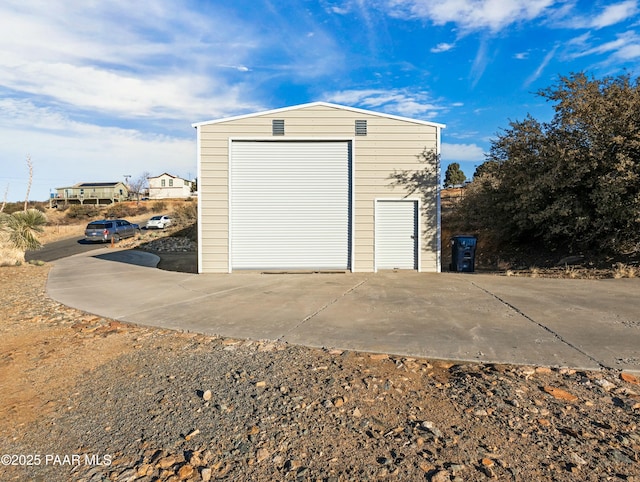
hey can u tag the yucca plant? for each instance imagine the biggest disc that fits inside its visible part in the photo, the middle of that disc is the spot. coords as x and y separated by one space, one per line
22 227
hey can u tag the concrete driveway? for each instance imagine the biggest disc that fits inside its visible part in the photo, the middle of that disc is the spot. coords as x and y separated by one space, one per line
588 324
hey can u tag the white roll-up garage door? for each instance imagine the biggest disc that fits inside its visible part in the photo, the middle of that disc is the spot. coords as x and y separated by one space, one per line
290 204
396 234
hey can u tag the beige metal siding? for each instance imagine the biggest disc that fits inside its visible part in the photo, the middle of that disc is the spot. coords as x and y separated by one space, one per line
390 144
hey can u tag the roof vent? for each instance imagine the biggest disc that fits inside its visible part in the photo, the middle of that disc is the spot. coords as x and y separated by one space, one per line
361 127
277 126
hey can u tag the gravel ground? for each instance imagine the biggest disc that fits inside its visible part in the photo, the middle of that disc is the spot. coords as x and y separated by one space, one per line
122 403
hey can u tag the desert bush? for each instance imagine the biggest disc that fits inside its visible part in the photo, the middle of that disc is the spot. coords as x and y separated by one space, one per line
80 211
11 208
621 270
117 210
18 234
185 214
159 206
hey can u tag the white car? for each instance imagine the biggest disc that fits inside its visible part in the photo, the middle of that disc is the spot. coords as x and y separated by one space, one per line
159 222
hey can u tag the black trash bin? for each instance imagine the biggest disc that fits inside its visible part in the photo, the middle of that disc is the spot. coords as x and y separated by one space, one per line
463 254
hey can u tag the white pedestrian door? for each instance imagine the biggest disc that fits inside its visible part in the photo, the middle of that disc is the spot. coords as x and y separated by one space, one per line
290 204
396 234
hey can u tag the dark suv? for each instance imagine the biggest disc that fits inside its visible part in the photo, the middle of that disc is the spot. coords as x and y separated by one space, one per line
110 230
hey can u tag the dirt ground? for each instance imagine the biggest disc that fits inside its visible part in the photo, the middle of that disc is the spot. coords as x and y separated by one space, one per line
280 412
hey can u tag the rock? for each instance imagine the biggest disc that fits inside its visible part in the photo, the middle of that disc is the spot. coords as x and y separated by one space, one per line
206 396
441 476
192 434
266 347
426 467
186 471
430 426
338 402
262 454
357 413
379 356
144 469
560 393
576 459
606 384
127 476
205 474
629 378
166 462
261 384
527 372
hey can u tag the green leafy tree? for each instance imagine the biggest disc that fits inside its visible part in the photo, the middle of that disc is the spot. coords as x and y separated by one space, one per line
572 183
454 175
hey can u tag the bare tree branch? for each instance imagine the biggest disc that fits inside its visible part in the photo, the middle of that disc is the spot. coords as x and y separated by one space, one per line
30 164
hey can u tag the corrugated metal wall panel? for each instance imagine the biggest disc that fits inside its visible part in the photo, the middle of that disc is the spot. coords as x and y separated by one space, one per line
396 234
290 205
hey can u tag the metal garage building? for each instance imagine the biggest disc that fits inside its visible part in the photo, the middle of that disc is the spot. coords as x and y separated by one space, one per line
310 187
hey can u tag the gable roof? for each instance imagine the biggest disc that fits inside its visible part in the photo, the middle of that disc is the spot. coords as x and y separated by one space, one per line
321 104
169 175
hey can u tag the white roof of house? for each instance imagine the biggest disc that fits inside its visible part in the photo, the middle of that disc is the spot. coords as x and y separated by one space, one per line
323 104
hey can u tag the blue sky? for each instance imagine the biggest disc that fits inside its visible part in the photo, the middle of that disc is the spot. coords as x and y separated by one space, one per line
96 90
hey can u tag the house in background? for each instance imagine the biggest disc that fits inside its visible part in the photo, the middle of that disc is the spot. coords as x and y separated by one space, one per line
166 186
92 193
312 187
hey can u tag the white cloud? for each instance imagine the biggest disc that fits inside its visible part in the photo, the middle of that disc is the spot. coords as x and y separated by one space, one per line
480 62
442 47
629 52
462 152
111 92
416 105
625 47
493 15
142 59
598 19
614 14
521 56
65 151
547 58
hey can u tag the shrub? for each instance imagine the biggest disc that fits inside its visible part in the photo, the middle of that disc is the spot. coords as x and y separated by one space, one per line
159 206
141 209
80 211
185 214
117 210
